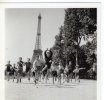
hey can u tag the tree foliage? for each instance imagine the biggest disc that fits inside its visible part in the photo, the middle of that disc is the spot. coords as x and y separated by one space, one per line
80 24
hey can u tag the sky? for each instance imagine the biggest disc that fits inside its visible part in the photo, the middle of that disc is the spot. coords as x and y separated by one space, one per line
21 29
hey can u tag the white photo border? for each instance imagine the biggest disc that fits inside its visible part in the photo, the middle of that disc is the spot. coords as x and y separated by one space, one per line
50 5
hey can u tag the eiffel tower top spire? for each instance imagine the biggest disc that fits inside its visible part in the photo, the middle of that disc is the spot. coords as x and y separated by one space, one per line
38 37
39 24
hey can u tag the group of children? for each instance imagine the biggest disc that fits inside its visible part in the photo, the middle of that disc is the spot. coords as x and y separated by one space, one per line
42 71
16 71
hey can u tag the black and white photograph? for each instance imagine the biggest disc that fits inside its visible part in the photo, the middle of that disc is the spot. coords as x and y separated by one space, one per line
51 52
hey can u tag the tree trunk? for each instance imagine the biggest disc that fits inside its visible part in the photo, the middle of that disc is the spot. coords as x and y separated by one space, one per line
76 57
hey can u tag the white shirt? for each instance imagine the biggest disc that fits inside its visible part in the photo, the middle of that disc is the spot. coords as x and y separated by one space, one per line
37 63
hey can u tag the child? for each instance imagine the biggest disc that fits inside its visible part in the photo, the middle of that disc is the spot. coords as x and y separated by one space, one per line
54 72
70 72
66 73
60 72
76 71
20 64
28 68
37 66
8 69
14 70
48 61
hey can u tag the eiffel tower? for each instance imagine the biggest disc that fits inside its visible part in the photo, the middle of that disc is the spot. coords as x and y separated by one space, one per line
38 48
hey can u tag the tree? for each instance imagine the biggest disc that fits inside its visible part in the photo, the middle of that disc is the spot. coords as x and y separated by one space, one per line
79 24
58 52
